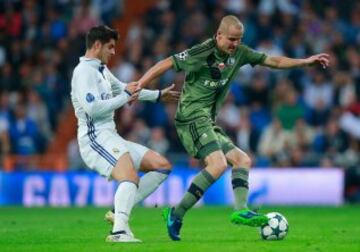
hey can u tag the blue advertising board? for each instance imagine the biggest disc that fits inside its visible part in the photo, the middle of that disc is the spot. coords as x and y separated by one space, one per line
268 186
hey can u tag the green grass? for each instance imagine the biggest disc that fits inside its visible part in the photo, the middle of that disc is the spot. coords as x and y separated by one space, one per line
205 229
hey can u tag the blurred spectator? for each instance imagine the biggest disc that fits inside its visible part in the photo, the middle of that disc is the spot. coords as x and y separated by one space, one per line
273 141
124 70
140 132
73 154
333 140
318 91
289 111
84 18
24 134
319 115
247 138
158 141
37 111
350 121
259 91
108 9
345 93
4 126
7 80
350 158
301 136
229 115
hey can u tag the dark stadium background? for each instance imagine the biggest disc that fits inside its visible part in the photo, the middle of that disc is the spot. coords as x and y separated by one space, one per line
300 126
287 120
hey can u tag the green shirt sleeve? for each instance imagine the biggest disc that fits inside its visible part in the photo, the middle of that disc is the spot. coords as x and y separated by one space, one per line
253 57
192 59
184 61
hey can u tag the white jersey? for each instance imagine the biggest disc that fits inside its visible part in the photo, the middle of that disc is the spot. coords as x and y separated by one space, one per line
95 94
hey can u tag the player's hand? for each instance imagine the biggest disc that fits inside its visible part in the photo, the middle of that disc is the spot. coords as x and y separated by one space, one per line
134 89
169 95
323 59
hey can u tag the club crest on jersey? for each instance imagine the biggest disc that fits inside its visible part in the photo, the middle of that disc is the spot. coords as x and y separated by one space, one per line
90 97
230 61
221 66
116 150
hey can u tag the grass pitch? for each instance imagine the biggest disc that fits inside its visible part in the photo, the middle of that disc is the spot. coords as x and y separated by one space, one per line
205 229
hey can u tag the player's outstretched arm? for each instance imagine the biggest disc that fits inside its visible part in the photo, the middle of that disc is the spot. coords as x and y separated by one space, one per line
133 90
155 71
165 95
282 62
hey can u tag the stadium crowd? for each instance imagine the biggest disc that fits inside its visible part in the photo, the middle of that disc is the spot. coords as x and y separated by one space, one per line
295 118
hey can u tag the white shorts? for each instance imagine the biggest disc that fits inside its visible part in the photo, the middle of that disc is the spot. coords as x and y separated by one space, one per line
102 150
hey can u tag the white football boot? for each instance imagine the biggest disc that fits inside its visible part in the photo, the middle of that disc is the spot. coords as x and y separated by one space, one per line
109 217
121 236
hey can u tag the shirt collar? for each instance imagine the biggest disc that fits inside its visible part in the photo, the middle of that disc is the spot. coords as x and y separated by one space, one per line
94 62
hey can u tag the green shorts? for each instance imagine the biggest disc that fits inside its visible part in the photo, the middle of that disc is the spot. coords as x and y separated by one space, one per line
202 137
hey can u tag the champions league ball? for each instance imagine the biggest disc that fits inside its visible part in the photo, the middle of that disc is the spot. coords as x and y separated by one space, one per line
276 228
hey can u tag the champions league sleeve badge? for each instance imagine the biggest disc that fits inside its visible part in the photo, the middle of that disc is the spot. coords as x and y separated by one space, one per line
90 97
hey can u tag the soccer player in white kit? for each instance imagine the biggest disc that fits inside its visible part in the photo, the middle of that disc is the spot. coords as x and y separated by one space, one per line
95 94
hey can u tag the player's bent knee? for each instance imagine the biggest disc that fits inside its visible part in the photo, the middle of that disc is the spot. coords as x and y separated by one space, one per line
241 160
133 176
125 170
245 161
220 165
165 164
161 163
120 174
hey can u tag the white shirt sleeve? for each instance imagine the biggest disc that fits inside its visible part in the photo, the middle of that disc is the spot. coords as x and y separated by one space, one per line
88 95
118 87
149 95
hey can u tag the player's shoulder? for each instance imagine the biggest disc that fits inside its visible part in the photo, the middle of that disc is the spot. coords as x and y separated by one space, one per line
244 47
203 48
83 68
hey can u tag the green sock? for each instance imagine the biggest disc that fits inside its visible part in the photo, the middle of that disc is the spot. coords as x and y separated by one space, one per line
199 185
240 184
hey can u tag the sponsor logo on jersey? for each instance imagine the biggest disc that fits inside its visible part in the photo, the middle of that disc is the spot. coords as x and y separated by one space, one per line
223 82
105 96
90 97
209 83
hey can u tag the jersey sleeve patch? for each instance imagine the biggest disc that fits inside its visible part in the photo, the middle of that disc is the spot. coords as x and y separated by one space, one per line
182 56
90 97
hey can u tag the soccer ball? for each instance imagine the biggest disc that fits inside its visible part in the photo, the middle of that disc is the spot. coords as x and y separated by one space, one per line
276 228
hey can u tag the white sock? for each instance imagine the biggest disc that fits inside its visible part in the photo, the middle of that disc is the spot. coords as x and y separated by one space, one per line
123 202
149 183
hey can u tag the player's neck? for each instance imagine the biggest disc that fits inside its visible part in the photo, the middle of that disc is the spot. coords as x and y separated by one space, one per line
90 54
219 50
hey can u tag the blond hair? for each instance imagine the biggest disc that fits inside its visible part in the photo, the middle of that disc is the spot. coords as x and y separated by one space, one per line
228 21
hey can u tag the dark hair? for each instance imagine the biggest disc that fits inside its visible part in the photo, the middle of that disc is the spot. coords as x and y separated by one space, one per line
102 33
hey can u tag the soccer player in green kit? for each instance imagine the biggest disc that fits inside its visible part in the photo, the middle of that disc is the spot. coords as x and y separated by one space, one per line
210 67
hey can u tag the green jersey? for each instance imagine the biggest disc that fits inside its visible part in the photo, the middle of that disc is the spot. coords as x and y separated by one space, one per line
209 73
